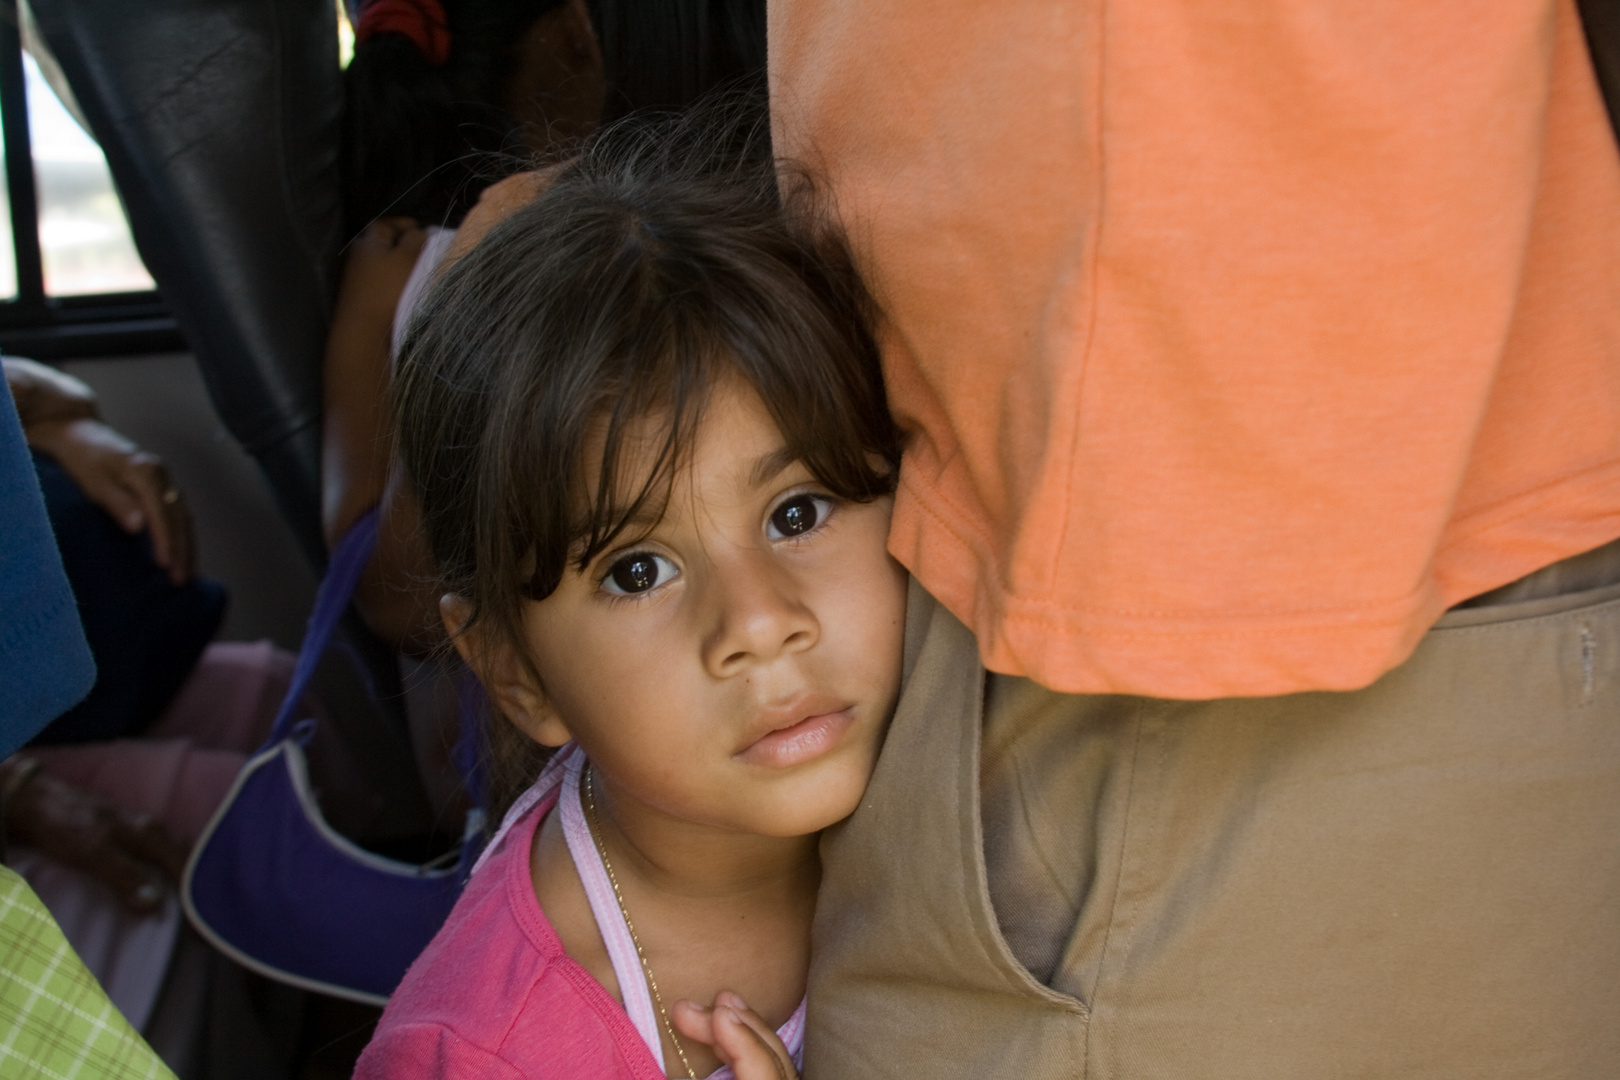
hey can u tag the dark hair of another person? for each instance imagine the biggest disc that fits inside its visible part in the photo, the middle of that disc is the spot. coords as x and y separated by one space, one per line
654 267
423 141
667 54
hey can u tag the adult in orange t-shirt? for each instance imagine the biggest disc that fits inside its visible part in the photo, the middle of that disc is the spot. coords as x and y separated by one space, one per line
1238 345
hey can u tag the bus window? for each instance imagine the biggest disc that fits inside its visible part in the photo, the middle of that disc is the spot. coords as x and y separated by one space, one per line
84 239
71 280
8 251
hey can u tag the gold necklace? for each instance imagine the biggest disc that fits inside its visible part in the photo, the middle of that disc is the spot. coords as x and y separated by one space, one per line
646 968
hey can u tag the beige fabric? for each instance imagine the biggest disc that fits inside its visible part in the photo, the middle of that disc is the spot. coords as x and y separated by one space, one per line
908 977
1418 879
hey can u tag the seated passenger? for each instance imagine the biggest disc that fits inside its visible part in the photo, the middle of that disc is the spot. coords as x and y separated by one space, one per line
55 1010
138 766
102 806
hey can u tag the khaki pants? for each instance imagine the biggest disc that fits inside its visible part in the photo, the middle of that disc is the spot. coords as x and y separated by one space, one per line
1421 878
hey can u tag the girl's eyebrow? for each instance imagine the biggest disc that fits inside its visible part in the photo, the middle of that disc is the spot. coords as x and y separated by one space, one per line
768 465
648 515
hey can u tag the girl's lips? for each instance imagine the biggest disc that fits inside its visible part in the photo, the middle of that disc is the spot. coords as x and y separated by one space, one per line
809 738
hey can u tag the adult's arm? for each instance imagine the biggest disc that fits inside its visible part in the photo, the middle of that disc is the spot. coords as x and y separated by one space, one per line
132 853
60 417
396 595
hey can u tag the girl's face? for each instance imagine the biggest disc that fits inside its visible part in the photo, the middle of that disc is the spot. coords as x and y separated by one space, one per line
736 665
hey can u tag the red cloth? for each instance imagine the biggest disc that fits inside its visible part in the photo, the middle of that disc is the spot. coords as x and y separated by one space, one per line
422 21
494 995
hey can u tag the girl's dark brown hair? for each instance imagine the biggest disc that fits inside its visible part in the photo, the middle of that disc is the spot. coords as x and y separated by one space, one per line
660 262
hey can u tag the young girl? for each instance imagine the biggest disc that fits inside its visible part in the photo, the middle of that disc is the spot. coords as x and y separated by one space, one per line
647 430
442 98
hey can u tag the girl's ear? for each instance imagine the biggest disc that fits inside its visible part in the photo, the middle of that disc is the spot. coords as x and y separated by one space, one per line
510 683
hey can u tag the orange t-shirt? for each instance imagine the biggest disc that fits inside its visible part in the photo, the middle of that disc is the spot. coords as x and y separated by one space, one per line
1234 341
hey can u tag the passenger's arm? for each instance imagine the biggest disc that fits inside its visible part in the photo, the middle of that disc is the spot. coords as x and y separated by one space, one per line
60 418
130 852
43 393
395 595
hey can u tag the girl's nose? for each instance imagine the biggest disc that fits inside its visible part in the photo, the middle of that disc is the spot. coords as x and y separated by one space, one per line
761 614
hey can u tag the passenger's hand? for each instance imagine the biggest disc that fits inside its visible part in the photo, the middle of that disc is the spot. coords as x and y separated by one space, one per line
498 202
132 853
739 1036
129 483
376 266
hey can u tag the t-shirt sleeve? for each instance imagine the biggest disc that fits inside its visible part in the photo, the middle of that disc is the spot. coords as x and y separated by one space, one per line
429 1052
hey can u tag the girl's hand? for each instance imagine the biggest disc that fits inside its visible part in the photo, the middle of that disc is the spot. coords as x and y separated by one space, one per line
739 1036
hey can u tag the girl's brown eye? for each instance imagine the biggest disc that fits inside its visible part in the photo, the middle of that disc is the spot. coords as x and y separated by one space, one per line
798 515
638 572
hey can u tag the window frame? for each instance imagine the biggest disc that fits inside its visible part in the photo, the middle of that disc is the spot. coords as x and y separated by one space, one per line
61 327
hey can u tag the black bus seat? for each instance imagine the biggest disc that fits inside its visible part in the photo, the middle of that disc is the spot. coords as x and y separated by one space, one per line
220 124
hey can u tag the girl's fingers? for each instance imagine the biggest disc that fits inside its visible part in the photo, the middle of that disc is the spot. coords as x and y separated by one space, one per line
745 1042
693 1021
739 1036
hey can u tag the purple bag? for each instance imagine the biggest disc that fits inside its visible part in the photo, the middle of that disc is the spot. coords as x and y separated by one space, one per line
271 885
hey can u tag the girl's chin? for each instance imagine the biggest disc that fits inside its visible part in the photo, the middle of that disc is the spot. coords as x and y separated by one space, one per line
801 811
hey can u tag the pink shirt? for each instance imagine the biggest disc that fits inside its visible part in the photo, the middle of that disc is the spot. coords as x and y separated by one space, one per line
494 995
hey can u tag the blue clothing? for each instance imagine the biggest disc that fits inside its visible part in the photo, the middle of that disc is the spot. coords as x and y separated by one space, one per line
145 632
45 663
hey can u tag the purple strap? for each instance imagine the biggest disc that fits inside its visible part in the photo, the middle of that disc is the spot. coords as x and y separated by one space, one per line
474 713
349 559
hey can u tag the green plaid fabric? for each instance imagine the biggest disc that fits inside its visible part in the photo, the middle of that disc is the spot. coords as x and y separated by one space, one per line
55 1020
